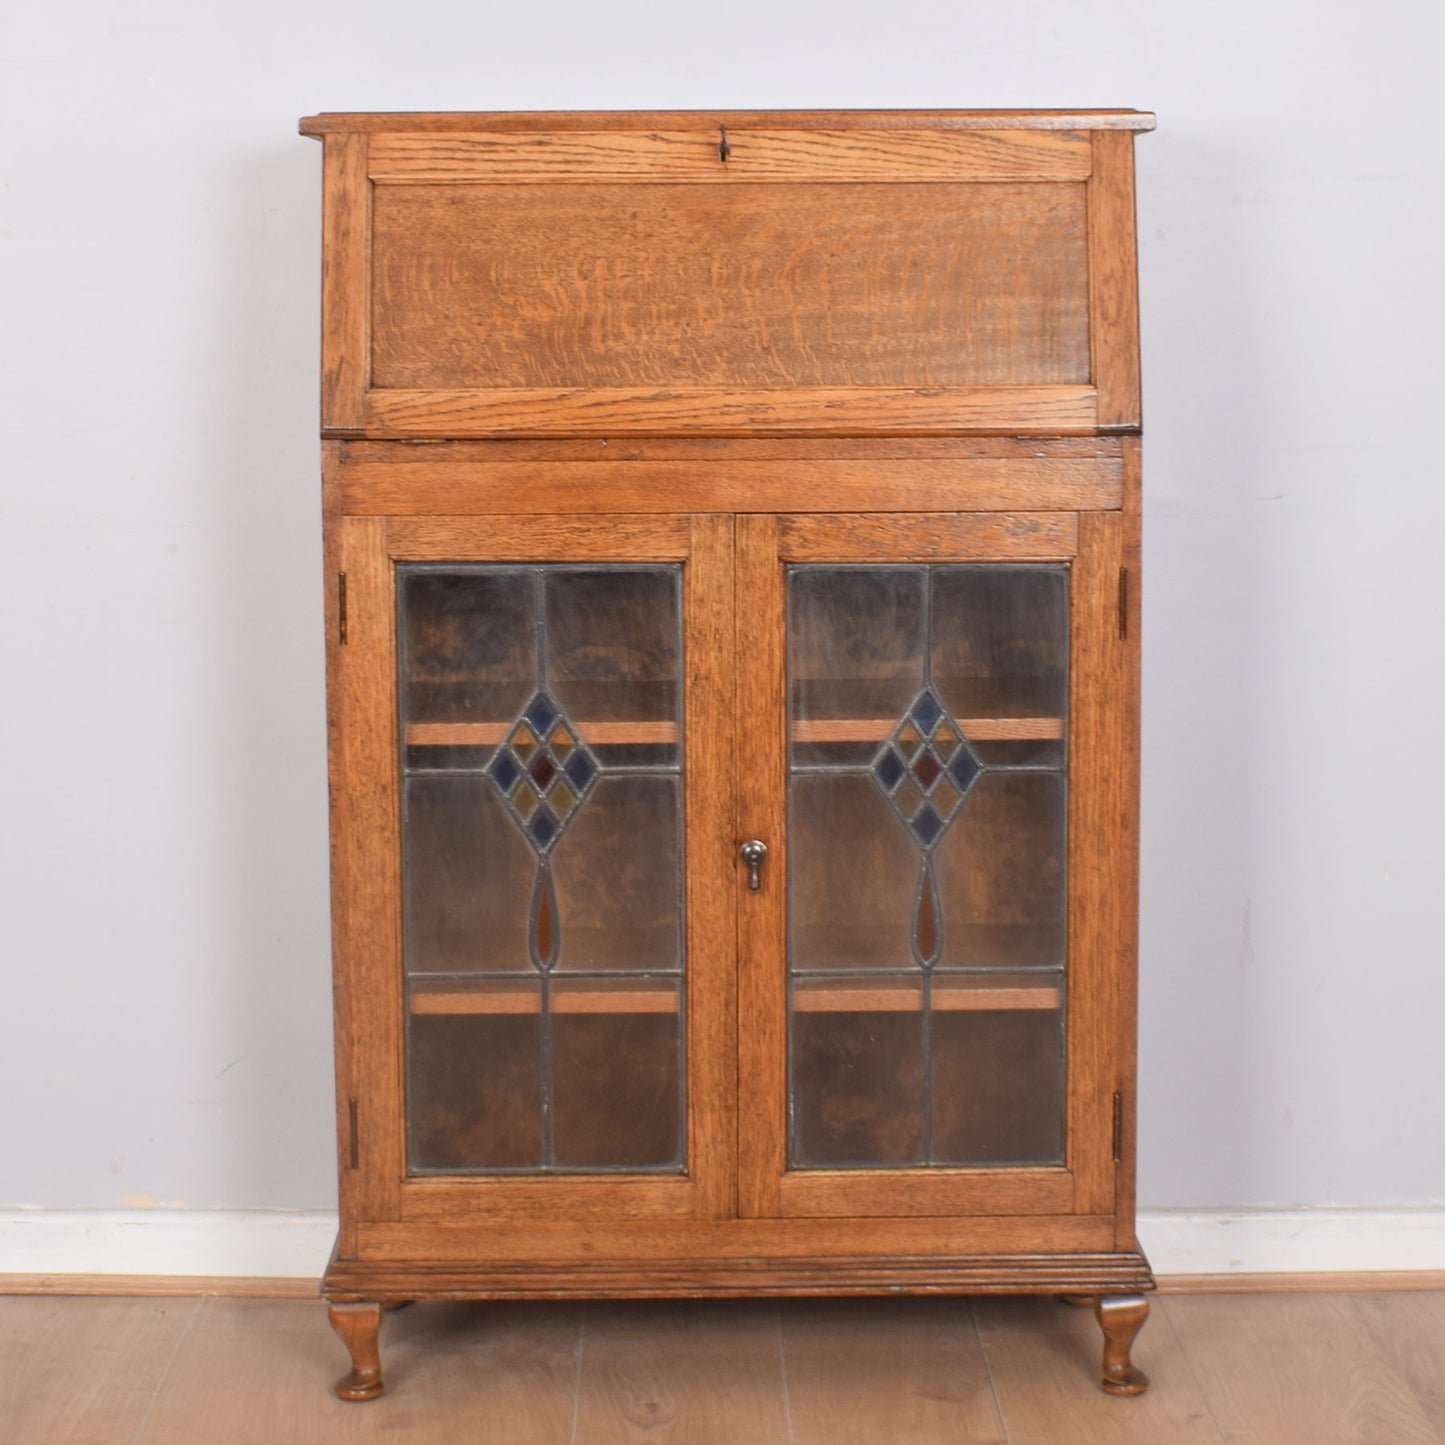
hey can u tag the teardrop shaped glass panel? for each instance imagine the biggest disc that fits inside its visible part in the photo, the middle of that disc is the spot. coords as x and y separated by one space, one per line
544 937
927 943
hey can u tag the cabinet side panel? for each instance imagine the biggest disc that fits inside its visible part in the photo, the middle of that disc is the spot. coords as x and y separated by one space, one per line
332 590
1114 282
345 283
1099 857
1129 706
367 812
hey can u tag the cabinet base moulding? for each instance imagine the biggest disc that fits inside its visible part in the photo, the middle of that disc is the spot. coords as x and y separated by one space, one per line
1091 1274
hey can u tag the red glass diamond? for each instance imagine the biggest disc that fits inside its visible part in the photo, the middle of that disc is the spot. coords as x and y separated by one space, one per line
926 768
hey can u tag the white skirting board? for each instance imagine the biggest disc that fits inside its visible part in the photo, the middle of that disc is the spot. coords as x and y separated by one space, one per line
263 1244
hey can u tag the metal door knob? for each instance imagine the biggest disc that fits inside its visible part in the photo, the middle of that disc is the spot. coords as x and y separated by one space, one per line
754 854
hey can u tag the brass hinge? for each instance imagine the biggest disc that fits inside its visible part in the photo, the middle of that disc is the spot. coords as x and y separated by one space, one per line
341 608
1118 1128
1123 602
354 1153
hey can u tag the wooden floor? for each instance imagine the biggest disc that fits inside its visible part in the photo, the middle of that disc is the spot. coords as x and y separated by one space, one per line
1263 1369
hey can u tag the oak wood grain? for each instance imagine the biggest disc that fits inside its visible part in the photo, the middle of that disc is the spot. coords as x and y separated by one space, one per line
690 294
937 1190
439 1205
1113 282
367 820
961 451
761 720
928 537
540 539
337 775
1126 699
345 282
397 485
1098 860
971 1273
947 996
710 649
1083 1244
707 121
726 412
874 730
491 996
755 154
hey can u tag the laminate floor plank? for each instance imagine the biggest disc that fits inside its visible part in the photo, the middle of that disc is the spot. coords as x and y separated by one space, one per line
864 1372
688 1373
79 1371
257 1372
1044 1358
1409 1328
1305 1369
1245 1369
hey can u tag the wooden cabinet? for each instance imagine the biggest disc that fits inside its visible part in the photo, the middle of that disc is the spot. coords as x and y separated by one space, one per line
732 531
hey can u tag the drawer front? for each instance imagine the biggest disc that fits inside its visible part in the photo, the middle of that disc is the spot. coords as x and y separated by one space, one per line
912 282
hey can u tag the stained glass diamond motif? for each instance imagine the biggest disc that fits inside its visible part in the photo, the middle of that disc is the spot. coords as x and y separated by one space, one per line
927 825
889 770
541 713
926 768
555 768
504 771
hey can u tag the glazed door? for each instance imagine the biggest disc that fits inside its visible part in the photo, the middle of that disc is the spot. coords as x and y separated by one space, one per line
934 928
536 924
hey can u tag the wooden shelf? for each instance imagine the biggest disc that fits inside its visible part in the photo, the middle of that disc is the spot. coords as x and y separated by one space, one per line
813 730
949 995
488 734
976 729
524 996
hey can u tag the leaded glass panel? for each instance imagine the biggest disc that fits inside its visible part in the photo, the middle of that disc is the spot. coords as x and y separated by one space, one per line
927 826
541 748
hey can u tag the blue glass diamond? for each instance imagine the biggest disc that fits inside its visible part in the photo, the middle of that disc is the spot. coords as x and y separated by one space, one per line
928 825
579 770
889 768
963 768
926 712
504 771
543 826
541 714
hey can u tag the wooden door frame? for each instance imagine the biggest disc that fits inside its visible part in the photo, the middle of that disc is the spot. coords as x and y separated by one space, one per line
376 1189
1099 856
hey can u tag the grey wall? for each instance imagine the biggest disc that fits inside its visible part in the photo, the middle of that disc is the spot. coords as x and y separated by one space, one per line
162 800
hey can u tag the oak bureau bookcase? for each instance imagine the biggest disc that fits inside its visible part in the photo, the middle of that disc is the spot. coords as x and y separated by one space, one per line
732 539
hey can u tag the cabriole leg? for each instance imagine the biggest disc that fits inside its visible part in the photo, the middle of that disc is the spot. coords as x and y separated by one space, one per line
1121 1318
359 1325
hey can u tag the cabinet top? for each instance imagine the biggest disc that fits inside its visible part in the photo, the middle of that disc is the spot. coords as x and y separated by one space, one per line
349 122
